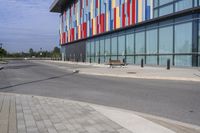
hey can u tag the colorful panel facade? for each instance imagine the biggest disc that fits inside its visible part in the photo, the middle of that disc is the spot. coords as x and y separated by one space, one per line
86 18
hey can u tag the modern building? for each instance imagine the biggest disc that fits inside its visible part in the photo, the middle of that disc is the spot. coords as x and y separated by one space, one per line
130 30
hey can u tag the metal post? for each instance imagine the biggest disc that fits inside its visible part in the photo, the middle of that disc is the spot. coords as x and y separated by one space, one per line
142 63
168 64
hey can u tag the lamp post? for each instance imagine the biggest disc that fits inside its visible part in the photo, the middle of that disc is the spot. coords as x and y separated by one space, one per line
40 53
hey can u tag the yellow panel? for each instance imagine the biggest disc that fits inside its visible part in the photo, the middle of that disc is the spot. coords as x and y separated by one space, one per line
140 11
113 3
107 22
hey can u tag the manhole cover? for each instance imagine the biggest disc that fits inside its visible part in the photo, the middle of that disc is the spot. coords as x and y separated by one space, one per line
131 72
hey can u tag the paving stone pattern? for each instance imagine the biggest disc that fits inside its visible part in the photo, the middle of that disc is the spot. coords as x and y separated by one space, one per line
33 114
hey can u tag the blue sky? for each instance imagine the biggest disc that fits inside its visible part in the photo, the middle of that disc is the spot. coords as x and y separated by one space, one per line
28 24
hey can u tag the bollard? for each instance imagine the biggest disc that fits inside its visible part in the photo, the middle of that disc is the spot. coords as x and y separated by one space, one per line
124 61
98 60
142 63
168 64
90 60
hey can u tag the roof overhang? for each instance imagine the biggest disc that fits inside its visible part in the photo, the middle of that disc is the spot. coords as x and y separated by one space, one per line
58 6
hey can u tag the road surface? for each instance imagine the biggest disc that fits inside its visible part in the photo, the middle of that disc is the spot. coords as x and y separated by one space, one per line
176 100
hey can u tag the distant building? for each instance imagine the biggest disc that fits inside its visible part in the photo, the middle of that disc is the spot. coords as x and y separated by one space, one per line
130 30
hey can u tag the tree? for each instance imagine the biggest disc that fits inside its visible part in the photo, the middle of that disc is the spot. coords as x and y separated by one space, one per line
56 53
31 52
3 52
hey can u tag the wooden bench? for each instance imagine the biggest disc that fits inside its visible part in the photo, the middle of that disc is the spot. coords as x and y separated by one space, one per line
115 63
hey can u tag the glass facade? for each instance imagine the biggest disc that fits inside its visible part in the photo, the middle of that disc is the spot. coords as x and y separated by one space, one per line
165 7
155 44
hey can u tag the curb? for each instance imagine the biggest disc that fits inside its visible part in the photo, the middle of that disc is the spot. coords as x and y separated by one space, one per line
137 77
122 76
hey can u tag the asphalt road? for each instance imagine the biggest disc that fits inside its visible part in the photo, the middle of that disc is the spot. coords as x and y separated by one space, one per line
177 100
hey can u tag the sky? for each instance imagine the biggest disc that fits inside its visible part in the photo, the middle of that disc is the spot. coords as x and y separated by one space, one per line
26 24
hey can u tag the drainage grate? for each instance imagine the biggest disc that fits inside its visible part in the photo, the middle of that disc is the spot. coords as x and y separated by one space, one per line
131 72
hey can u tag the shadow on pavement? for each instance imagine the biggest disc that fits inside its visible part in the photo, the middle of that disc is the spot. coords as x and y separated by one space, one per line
36 81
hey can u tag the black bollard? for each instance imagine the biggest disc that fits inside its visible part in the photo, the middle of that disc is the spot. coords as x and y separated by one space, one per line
168 64
98 60
142 63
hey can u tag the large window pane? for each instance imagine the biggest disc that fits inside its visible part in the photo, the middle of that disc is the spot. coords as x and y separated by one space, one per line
138 59
151 60
163 60
130 59
166 10
162 2
114 45
107 46
97 51
183 4
121 45
183 38
88 49
181 60
151 41
166 40
102 47
92 48
140 43
130 44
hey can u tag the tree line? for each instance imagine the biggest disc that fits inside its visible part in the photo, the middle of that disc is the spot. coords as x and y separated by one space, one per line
55 53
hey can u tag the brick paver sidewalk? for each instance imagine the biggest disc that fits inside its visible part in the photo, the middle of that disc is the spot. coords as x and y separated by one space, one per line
33 114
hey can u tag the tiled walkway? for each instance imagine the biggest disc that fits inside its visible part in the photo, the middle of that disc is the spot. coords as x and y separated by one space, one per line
32 114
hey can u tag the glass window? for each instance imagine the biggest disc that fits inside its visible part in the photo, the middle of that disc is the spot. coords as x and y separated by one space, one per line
102 59
183 60
130 59
92 48
156 3
165 10
130 43
107 46
114 45
151 60
163 60
121 45
102 47
155 13
183 38
162 2
96 51
88 48
183 4
97 48
138 59
166 40
151 41
140 43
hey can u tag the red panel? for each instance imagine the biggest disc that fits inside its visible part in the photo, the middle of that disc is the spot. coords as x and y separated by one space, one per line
86 2
97 4
123 16
133 11
85 29
102 24
97 24
128 11
114 18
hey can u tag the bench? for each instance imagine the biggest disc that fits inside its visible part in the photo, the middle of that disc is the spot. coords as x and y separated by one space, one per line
115 63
